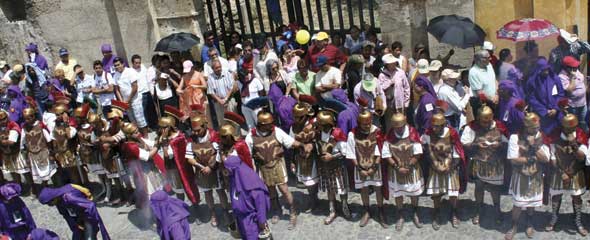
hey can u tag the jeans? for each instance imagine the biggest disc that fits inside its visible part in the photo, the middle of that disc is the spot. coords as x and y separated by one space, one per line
580 113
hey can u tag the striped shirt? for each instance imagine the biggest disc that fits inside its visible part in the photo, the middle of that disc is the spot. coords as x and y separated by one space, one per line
220 86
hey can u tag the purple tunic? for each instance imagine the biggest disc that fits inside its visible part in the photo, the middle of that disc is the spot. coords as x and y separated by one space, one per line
17 104
75 208
43 234
346 119
16 220
543 94
507 111
39 59
249 197
426 105
283 106
171 215
516 77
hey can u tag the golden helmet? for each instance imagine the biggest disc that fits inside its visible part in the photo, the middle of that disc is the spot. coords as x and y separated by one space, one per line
93 118
300 109
3 114
365 117
167 121
265 118
129 129
326 118
398 120
115 113
28 112
82 111
60 109
228 129
569 121
532 120
198 120
438 119
485 113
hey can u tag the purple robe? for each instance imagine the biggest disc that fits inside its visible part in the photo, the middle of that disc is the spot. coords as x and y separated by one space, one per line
171 216
17 104
16 220
249 197
515 76
40 60
283 106
426 105
543 94
43 234
76 208
507 111
346 119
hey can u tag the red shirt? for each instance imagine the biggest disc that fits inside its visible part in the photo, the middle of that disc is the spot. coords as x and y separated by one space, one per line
335 56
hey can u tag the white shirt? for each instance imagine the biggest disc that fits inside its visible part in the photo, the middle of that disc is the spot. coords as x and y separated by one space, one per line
254 87
351 145
101 83
49 120
332 76
260 64
204 139
164 94
125 80
151 78
340 146
468 135
208 68
514 150
456 103
23 140
143 82
416 147
84 84
144 154
282 137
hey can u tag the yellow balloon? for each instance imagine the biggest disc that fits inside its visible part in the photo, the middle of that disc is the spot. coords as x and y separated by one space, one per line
302 37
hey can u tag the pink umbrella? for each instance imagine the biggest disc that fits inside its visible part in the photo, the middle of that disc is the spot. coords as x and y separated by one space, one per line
527 29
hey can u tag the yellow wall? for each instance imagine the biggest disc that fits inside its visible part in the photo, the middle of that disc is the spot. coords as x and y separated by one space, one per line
491 15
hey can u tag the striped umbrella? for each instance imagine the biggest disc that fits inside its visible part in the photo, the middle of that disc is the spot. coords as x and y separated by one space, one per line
527 29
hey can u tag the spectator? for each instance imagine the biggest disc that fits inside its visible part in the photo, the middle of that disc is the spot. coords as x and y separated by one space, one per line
420 52
489 46
574 84
435 71
166 67
367 52
509 113
370 90
353 74
220 86
247 59
354 40
232 59
108 59
290 59
303 80
209 37
4 70
327 79
334 56
396 50
482 79
152 72
192 89
126 80
104 87
528 63
338 41
67 65
371 36
36 86
143 85
84 84
265 55
60 84
504 64
569 45
396 88
235 39
33 56
278 76
165 93
250 88
448 93
214 55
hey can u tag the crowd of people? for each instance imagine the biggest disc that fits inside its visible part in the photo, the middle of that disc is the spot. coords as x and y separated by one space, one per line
342 113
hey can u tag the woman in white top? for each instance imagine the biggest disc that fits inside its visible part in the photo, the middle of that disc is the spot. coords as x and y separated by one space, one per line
504 64
165 92
250 88
275 74
396 50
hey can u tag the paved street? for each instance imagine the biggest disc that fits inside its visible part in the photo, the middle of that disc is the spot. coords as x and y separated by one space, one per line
124 222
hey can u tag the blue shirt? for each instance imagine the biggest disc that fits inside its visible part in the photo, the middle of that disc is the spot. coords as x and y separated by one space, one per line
205 53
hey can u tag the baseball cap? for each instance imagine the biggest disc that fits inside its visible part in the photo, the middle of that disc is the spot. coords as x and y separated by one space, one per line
389 59
321 61
356 58
239 46
487 45
322 36
369 83
63 52
368 44
422 66
435 65
187 66
3 63
450 74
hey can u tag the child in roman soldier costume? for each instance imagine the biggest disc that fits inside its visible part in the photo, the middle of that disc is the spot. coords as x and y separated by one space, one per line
303 130
568 158
63 143
35 142
485 142
266 143
526 152
364 151
171 144
446 159
202 151
402 150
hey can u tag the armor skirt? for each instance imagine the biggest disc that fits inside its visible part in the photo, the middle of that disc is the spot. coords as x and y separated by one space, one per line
576 186
274 175
208 182
42 168
372 180
443 183
333 177
411 184
491 172
66 159
526 191
173 177
14 163
307 173
93 163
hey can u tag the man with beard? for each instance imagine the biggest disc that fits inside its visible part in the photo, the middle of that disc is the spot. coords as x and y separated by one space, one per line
303 130
402 151
363 150
266 144
484 140
568 155
201 152
35 143
331 149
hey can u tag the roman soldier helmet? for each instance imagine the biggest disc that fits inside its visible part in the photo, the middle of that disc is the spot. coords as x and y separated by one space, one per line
398 120
532 120
167 121
197 109
115 113
304 107
28 112
59 109
118 109
365 117
438 119
485 113
569 121
129 129
82 111
172 115
199 120
265 118
326 117
232 125
93 118
3 114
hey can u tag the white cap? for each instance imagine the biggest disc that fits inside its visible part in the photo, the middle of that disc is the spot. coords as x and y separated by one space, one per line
389 58
487 45
2 64
568 37
314 37
435 65
422 66
238 46
450 74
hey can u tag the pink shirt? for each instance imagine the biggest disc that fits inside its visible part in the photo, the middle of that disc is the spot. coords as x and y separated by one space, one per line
578 95
396 88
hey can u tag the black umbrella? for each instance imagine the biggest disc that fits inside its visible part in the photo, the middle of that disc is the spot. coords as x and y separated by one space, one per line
177 42
456 30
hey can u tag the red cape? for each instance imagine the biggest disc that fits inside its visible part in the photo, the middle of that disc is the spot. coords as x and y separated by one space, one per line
244 152
187 175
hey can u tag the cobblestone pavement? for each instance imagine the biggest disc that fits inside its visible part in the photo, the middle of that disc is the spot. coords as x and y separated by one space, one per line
125 223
